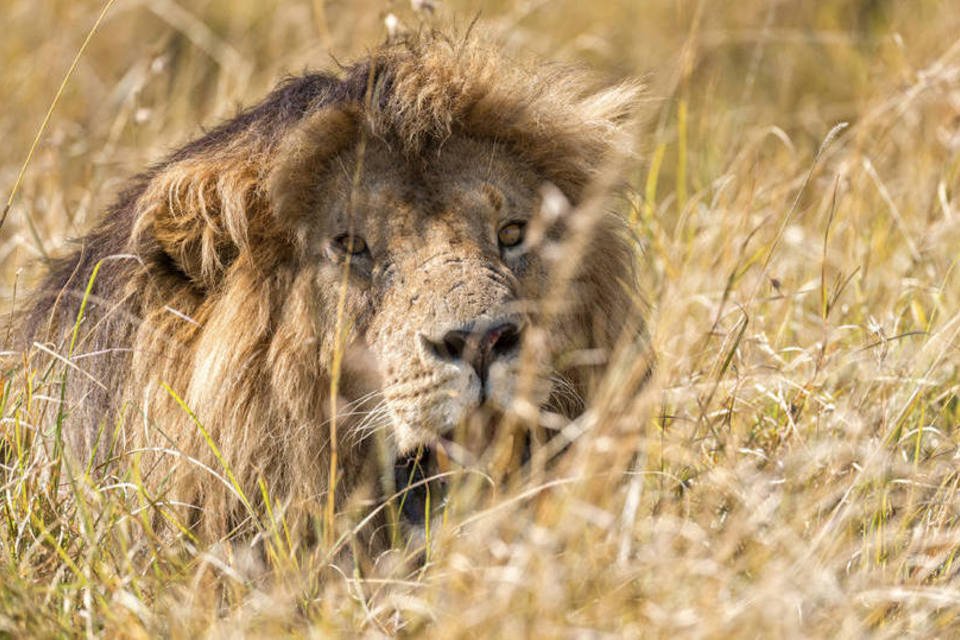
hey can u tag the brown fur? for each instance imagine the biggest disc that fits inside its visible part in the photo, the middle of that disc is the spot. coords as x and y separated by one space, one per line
218 281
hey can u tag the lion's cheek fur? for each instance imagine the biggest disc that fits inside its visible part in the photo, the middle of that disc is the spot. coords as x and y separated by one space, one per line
432 407
258 391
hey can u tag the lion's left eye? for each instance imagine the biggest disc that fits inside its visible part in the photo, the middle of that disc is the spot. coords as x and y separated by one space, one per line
511 235
354 245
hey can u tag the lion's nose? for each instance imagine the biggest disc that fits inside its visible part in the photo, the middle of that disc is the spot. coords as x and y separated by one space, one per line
478 344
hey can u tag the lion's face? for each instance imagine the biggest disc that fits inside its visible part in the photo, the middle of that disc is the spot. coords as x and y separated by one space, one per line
443 281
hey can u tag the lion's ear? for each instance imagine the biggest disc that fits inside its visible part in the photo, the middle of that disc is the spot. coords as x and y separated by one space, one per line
198 210
570 133
204 209
303 157
587 137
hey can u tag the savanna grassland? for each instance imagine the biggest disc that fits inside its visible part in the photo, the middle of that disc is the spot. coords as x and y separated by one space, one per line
791 470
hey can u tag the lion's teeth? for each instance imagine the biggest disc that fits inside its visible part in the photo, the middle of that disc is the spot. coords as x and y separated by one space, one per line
443 460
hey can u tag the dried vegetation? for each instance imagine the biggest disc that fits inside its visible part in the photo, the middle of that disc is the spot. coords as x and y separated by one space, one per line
791 470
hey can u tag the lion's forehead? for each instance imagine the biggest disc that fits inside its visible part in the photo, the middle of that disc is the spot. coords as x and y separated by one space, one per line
462 183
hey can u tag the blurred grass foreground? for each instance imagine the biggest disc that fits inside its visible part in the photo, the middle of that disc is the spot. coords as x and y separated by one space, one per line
793 469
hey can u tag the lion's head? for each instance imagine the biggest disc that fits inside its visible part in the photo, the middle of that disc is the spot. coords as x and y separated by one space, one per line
404 245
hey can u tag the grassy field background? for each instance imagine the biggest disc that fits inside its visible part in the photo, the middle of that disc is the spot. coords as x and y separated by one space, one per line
793 470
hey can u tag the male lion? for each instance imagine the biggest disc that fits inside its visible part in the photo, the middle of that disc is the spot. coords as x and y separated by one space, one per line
370 247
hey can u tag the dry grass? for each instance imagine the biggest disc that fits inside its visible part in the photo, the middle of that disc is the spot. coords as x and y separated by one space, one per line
791 471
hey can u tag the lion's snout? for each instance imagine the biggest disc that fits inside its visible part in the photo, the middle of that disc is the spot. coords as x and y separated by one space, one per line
458 368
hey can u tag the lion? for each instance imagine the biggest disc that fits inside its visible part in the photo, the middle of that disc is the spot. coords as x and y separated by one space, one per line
383 251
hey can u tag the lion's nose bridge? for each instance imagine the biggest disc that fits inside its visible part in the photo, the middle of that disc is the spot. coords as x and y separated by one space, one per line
454 290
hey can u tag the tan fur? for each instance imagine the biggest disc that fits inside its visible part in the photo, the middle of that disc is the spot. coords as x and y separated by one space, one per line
232 298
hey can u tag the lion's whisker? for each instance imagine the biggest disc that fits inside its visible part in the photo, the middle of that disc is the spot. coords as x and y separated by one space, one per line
375 421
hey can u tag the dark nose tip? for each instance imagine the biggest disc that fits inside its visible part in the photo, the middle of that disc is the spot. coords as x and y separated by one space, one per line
479 345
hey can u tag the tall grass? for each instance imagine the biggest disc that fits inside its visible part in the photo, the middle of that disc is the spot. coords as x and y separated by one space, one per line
791 470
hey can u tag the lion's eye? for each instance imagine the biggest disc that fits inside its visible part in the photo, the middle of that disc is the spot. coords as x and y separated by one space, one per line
354 245
511 235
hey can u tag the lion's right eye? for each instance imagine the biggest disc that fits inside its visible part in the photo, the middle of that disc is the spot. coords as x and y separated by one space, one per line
354 245
511 235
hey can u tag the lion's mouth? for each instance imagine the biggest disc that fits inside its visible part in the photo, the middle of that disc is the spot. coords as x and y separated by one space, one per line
421 479
423 476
